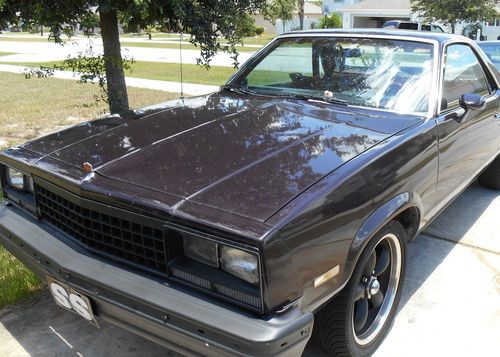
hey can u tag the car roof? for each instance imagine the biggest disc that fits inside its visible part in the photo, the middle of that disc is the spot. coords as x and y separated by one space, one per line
437 36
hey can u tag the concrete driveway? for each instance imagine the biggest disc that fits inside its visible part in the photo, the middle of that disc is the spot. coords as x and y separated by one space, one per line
450 305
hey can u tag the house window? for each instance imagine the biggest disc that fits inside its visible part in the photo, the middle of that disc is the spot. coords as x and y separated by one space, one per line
495 22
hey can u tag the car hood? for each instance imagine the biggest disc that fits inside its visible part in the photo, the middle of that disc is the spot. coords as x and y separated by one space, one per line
247 157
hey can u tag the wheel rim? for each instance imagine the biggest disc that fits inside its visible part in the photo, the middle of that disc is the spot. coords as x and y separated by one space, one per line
376 291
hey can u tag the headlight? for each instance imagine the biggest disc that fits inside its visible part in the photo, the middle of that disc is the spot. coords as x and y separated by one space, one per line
15 179
18 181
201 250
236 262
239 263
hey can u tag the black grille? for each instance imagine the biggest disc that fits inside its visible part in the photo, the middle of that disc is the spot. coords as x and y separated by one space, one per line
141 242
116 237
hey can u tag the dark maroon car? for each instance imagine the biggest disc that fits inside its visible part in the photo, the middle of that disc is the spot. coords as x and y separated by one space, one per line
230 224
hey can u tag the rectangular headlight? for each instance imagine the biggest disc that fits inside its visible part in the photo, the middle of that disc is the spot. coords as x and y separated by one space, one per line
15 179
201 250
241 264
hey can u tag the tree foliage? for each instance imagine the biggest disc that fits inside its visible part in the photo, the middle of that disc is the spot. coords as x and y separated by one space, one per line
332 21
280 9
89 22
453 12
208 22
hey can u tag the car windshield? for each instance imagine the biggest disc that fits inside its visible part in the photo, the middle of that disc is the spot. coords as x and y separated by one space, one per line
492 50
376 73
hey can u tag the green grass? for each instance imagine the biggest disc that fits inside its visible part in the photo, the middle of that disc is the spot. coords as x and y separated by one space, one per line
16 281
32 107
215 75
156 35
257 40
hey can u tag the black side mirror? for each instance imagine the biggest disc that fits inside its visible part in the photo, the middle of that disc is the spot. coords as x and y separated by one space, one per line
471 101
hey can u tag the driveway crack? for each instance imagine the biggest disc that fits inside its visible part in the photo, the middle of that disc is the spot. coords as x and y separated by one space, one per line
460 243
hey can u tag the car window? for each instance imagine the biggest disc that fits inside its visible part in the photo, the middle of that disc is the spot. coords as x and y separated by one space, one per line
492 50
463 74
437 29
426 27
375 73
408 26
390 25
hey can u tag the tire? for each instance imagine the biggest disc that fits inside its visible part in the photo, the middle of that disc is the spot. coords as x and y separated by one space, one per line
490 177
335 328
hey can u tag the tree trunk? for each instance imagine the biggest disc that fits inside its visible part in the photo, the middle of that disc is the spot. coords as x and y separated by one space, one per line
453 27
301 13
115 76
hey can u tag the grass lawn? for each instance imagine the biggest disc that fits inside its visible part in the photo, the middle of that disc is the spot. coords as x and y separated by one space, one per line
32 107
257 40
16 281
216 75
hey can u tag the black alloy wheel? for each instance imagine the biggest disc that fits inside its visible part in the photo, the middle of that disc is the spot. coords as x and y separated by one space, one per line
357 320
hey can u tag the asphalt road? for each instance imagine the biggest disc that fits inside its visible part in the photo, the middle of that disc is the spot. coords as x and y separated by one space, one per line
450 305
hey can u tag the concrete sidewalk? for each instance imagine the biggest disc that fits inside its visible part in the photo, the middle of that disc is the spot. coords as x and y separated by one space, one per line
450 305
190 89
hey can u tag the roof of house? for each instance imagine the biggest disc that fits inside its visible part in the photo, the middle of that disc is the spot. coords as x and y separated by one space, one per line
378 5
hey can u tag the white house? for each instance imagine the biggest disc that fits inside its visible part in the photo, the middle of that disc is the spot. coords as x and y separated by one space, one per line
373 13
330 6
312 13
492 29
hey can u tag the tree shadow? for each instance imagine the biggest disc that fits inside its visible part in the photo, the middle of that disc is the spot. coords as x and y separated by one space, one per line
42 328
45 329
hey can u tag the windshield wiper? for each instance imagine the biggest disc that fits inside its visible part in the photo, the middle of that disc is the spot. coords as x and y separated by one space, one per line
317 98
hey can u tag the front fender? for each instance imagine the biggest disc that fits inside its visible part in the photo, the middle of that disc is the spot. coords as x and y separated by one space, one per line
378 219
382 215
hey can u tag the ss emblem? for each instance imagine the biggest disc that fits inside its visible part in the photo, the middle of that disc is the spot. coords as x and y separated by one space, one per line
72 300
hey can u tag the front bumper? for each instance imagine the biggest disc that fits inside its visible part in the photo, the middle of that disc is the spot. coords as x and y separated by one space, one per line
181 320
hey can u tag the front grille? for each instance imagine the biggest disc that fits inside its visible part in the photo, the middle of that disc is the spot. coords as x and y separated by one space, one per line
116 237
138 241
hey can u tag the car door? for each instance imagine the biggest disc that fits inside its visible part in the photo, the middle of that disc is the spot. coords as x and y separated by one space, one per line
467 138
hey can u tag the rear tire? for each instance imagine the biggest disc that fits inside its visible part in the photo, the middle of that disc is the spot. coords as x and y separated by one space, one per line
357 320
490 177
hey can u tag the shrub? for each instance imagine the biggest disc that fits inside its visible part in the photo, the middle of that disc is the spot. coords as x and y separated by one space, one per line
259 30
332 21
246 26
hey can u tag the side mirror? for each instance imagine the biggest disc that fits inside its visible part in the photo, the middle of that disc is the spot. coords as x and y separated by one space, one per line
471 101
